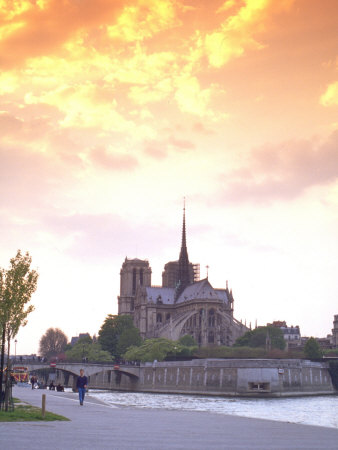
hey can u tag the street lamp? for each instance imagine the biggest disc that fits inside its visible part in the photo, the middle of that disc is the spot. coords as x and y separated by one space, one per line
15 342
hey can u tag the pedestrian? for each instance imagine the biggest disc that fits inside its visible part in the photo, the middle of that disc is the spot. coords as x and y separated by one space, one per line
32 382
81 384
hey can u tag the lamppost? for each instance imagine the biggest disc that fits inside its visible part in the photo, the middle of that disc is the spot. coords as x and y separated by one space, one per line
15 342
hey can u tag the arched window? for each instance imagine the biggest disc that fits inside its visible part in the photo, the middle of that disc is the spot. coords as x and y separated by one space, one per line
211 318
200 317
159 318
141 277
167 317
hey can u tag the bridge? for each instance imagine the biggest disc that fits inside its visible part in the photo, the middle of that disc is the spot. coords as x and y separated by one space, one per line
89 368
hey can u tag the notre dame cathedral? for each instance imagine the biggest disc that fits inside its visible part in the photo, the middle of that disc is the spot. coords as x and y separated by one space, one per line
184 304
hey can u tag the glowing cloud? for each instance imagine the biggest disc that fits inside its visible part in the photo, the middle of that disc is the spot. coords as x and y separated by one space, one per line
330 97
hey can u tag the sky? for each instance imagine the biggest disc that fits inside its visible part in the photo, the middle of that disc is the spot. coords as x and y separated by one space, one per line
111 112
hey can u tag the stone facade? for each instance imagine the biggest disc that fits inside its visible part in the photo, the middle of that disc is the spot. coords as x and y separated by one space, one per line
182 305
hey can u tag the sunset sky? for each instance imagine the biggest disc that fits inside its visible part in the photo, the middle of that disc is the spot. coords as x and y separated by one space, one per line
113 111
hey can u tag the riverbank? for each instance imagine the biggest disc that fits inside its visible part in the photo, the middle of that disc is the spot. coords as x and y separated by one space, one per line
100 426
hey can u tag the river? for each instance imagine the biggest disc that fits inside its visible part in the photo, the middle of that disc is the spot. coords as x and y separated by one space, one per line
319 410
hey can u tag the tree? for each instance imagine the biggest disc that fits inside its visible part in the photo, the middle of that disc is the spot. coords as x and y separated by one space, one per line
188 341
86 348
312 349
129 336
117 333
157 349
264 337
53 342
17 285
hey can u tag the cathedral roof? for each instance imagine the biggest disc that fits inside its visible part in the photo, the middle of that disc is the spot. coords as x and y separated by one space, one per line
157 294
201 290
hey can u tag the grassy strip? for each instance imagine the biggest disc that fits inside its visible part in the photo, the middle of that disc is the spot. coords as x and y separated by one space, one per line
28 413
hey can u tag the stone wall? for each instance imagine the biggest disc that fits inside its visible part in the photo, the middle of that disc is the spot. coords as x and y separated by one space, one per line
253 378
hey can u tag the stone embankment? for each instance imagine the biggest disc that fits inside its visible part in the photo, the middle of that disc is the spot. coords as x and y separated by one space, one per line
228 377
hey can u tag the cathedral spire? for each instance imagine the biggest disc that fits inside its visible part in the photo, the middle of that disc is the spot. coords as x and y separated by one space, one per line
183 262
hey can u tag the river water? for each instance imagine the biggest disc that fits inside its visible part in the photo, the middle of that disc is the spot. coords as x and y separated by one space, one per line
321 410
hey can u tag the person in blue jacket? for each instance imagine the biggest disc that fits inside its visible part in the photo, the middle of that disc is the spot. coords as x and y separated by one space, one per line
81 385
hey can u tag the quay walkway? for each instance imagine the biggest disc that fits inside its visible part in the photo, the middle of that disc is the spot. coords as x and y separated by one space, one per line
99 426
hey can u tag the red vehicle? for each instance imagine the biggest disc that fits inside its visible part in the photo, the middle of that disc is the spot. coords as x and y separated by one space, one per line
20 373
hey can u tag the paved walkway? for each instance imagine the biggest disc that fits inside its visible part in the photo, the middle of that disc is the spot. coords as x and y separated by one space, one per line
99 426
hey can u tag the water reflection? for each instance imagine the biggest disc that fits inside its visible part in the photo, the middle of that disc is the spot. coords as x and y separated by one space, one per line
320 410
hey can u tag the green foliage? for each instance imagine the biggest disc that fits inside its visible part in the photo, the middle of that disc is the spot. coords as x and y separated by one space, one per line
312 349
331 352
86 348
52 343
263 337
27 413
230 352
188 341
128 337
117 333
17 284
157 349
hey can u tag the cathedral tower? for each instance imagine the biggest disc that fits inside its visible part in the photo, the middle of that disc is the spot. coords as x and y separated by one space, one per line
179 274
134 273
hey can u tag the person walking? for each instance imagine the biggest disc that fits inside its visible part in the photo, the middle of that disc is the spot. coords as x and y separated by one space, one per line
81 385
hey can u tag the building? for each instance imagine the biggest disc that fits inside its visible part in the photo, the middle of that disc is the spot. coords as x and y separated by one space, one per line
184 304
291 334
75 339
335 332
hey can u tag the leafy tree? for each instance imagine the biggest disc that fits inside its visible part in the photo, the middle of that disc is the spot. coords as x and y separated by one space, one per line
157 349
53 342
17 285
128 337
86 348
264 337
117 333
188 341
312 349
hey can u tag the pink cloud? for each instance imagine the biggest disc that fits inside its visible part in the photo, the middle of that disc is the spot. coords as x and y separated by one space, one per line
112 161
283 172
181 143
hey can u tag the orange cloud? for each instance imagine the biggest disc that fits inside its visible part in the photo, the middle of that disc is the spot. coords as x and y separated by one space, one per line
36 30
143 19
236 33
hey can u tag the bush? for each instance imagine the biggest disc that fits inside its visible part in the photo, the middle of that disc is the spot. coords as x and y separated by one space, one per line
271 337
230 352
312 349
158 349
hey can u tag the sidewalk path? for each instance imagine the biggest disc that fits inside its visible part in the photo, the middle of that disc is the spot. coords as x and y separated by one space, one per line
99 426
